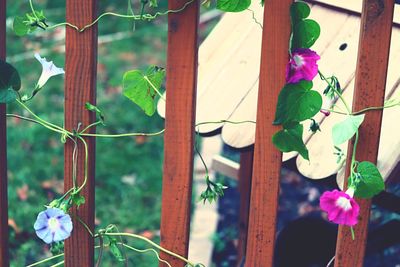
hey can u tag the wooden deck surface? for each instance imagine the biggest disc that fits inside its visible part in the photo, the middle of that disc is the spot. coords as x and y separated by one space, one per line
228 83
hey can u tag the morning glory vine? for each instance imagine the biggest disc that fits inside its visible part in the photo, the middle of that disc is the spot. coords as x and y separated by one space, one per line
297 102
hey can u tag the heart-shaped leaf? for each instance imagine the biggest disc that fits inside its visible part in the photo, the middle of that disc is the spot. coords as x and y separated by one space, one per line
297 102
344 130
10 82
233 5
291 139
371 181
305 33
142 88
299 11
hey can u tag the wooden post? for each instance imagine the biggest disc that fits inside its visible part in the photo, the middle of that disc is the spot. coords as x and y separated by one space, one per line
268 159
80 87
4 260
370 82
245 173
179 133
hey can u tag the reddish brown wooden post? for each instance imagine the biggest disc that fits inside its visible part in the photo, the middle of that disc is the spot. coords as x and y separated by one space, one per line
245 173
4 261
80 87
267 159
370 81
179 133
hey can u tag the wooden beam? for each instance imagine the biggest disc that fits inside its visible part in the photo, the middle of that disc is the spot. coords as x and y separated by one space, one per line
80 87
245 173
268 159
370 82
4 260
179 129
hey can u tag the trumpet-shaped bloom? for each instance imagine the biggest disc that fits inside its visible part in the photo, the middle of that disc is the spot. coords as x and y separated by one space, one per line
53 225
340 206
302 65
48 70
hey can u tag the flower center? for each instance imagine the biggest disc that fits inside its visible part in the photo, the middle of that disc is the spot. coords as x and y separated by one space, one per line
298 60
343 203
53 224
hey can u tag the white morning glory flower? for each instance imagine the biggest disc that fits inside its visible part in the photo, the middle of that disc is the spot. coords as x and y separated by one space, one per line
49 70
53 225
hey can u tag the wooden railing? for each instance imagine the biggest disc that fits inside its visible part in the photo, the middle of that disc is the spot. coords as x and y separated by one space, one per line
257 246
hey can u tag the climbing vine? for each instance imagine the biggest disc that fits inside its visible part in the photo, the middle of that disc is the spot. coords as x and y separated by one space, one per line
297 103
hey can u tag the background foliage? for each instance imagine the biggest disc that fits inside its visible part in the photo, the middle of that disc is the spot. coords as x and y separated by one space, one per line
128 170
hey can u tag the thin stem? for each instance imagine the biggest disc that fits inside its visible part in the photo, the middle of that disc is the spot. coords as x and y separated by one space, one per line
84 225
154 87
45 260
58 264
33 10
101 242
146 250
254 18
353 156
330 262
134 17
153 244
52 126
90 126
123 135
86 163
338 93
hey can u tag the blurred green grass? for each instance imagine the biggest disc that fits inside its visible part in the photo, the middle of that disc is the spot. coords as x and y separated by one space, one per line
128 170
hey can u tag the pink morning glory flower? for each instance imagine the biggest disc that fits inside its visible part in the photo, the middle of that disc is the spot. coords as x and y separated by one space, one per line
53 225
302 65
340 206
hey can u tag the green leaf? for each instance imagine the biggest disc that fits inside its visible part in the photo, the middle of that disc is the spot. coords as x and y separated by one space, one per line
93 108
78 199
8 96
299 11
138 89
297 102
20 27
10 82
9 78
345 130
116 251
153 3
371 182
305 33
233 5
291 139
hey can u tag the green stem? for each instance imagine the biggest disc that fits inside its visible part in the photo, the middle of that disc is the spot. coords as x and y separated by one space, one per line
123 135
134 17
50 126
338 93
155 88
90 126
86 163
353 156
58 264
45 260
146 250
153 244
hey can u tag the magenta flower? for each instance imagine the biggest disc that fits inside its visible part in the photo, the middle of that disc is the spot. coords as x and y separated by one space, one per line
53 225
302 65
340 206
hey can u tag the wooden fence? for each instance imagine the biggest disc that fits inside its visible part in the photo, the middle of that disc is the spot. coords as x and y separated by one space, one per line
260 214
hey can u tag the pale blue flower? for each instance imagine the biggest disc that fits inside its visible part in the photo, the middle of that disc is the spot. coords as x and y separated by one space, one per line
53 225
48 70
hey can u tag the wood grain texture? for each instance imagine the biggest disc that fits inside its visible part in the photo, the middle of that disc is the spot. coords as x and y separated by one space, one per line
4 260
80 84
179 129
245 174
267 159
370 81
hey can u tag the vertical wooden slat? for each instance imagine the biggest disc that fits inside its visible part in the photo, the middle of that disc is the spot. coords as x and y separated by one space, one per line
179 133
370 82
267 159
80 87
245 173
4 261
